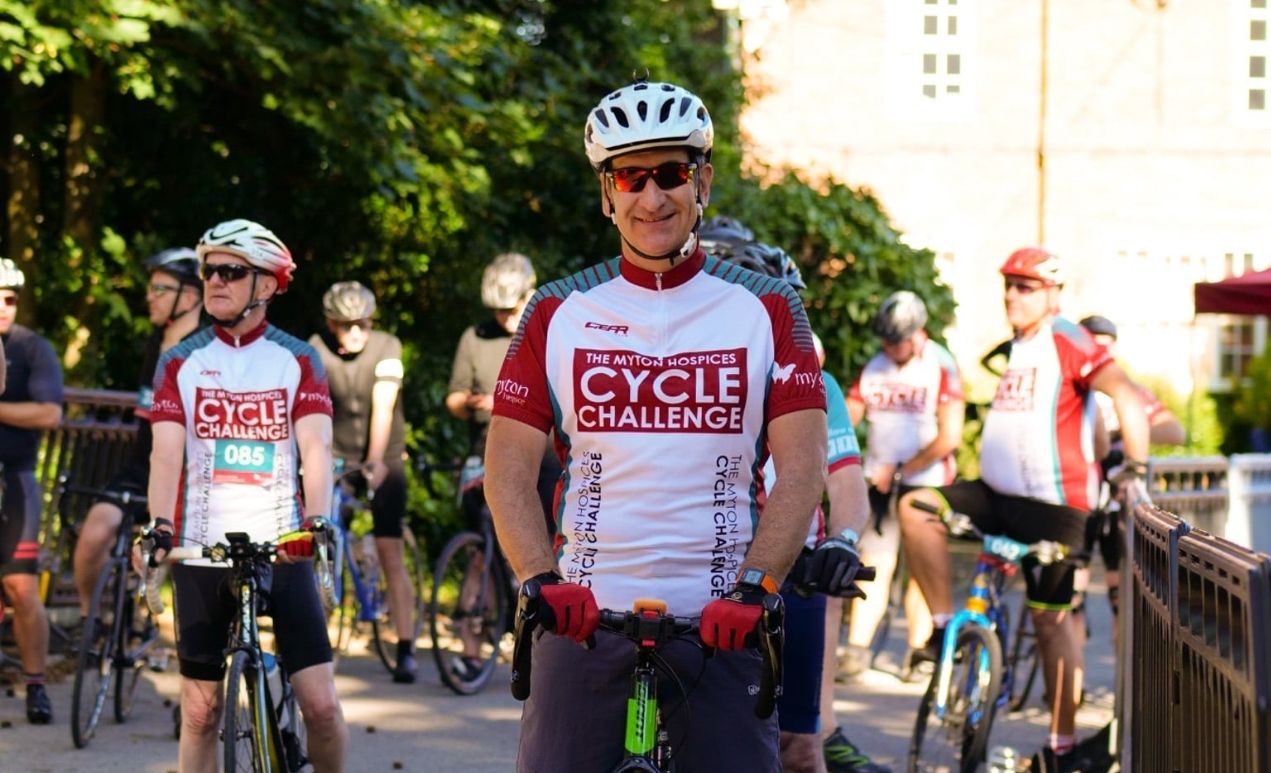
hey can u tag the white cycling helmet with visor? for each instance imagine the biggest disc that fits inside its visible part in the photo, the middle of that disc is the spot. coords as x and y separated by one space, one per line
255 244
11 277
646 116
900 316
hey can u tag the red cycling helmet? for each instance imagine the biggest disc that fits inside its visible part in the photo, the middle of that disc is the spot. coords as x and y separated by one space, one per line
1034 263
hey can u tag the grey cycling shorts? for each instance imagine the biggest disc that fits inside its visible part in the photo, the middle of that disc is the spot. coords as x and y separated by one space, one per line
575 718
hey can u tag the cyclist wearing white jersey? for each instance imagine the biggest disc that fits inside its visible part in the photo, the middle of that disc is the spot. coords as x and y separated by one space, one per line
246 407
663 373
1039 475
910 393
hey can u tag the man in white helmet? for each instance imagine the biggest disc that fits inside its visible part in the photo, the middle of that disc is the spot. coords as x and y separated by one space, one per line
239 408
31 404
662 372
365 372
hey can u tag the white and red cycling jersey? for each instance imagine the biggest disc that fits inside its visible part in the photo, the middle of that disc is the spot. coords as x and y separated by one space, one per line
660 387
239 400
1038 438
901 404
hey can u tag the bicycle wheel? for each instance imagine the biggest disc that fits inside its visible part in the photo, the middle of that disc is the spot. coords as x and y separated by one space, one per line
469 614
957 741
96 654
295 738
383 627
1022 663
245 732
138 634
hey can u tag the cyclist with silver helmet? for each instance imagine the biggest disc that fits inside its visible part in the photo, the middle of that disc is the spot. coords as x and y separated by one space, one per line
661 372
364 371
910 393
239 408
1039 478
811 738
31 404
174 299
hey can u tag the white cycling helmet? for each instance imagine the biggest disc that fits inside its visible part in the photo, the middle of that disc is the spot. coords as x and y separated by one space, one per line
348 302
644 116
11 277
252 242
507 281
901 315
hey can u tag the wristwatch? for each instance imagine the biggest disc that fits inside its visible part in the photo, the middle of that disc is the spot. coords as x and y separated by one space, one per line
753 576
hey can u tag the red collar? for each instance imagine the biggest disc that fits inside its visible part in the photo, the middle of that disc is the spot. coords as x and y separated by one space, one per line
673 277
246 338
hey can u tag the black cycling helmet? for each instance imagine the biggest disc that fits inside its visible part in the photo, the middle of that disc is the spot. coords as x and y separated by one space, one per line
182 263
348 302
901 315
1096 325
721 231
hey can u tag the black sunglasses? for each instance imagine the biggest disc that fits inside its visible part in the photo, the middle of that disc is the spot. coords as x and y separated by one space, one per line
668 176
228 272
9 300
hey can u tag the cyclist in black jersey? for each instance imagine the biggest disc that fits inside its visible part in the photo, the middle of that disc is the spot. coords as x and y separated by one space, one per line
506 286
31 403
174 299
364 373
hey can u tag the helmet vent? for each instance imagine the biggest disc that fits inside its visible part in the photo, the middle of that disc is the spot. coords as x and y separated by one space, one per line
665 112
601 118
620 116
685 104
642 108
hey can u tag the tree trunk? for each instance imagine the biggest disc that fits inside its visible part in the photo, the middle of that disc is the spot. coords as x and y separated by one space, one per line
23 206
83 188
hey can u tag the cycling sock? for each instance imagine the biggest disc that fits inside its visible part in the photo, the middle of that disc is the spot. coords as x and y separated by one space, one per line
404 648
1062 744
33 679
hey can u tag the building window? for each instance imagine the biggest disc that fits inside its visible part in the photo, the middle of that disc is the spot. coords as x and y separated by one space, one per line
1252 49
942 50
1235 350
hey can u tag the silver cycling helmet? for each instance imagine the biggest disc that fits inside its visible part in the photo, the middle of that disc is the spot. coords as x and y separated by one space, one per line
508 281
759 257
645 116
11 277
901 315
348 302
722 232
181 263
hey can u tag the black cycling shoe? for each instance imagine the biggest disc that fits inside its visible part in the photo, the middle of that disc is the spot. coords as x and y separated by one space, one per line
39 709
405 671
930 652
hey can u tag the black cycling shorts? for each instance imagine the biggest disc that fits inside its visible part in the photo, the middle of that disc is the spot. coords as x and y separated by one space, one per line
1026 520
388 506
20 524
205 605
799 707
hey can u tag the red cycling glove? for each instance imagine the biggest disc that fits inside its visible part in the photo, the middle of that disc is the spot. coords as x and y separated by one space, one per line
570 609
297 545
730 623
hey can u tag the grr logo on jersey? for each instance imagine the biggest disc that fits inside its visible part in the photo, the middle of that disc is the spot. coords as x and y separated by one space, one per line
219 413
1015 390
624 391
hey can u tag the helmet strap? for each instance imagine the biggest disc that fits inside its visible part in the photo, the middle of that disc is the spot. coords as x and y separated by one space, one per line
252 304
690 244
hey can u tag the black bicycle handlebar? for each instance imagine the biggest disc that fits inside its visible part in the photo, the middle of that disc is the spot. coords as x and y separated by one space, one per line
123 498
654 629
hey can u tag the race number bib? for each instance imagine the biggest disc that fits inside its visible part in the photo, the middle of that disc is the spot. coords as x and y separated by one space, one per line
246 462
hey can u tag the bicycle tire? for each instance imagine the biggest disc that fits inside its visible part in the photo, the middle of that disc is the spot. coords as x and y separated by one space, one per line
129 662
958 741
383 628
245 728
1023 661
94 664
454 573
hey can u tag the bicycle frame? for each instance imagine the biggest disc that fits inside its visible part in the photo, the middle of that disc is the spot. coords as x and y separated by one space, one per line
369 599
245 637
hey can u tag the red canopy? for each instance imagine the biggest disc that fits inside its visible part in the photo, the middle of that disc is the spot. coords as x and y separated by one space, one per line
1245 294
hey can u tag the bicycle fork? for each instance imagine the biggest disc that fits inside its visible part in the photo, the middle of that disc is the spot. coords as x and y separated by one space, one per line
948 651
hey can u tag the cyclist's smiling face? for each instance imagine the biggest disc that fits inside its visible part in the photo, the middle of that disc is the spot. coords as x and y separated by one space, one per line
653 220
1029 302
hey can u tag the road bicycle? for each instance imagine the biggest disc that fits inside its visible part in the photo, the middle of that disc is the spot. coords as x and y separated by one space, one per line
120 633
647 742
473 594
971 680
262 731
358 597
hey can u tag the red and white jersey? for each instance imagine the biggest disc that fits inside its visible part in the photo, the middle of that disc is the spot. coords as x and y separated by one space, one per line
900 405
239 401
1038 439
660 387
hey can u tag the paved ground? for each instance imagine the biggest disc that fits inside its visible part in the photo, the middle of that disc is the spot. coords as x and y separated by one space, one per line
426 728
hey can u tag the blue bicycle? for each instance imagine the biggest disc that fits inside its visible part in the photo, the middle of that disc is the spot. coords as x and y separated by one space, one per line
357 599
972 680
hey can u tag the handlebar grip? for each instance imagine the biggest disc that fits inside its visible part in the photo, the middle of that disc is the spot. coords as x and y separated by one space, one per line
527 611
927 507
866 573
